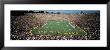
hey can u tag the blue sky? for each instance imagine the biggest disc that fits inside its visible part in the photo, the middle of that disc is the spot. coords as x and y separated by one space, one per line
72 11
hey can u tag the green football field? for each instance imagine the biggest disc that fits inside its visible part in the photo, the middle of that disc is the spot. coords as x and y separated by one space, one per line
58 27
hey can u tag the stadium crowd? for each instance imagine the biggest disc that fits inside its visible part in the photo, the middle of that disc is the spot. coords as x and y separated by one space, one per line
21 26
90 23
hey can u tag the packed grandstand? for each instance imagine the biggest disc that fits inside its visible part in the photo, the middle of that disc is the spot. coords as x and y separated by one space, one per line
41 25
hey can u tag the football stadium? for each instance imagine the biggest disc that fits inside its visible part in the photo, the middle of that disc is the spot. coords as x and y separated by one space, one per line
55 25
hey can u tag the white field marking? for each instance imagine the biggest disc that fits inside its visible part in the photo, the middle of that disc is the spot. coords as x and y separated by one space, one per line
57 22
78 27
35 27
72 25
82 30
69 29
44 24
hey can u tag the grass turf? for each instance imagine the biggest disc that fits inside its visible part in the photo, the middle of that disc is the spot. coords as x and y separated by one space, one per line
59 27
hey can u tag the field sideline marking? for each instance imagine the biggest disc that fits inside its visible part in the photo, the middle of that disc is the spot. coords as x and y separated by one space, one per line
78 27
